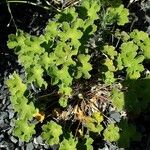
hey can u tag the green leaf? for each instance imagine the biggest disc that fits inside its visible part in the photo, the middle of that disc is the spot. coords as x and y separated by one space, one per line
92 7
63 101
109 77
110 51
85 67
130 59
118 14
138 36
93 123
111 133
68 144
117 98
35 74
15 85
23 130
109 64
88 143
51 132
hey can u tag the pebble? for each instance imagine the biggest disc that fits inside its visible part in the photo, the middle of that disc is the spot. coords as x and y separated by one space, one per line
11 114
115 116
46 146
1 137
20 143
29 146
39 140
10 146
14 140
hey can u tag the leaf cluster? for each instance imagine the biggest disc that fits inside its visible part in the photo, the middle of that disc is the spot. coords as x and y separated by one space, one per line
127 58
25 109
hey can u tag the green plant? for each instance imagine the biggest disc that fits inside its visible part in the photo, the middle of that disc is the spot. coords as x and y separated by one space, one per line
62 53
53 51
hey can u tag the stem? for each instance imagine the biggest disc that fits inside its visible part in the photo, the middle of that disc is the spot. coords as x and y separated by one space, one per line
46 95
31 3
11 16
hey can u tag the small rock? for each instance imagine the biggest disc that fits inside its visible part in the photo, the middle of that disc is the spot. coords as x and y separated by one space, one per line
10 146
13 139
115 116
1 137
10 106
46 146
39 140
1 105
20 143
29 146
11 114
10 131
3 115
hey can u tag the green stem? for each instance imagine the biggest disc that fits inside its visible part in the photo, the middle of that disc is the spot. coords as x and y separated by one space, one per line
31 3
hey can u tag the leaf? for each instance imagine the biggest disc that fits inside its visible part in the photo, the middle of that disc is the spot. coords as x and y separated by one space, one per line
85 144
109 77
110 51
131 59
138 36
88 143
68 144
118 14
109 63
93 123
85 67
92 8
63 101
98 117
23 130
111 133
15 85
51 132
65 90
117 98
35 74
